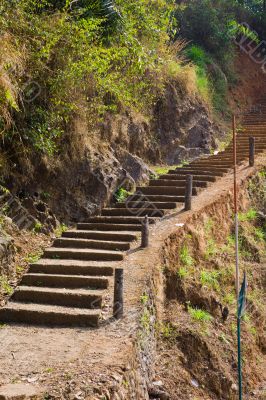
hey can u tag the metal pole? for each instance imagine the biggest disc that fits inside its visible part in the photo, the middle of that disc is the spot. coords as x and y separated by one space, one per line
145 233
251 151
239 357
118 293
188 194
236 208
237 260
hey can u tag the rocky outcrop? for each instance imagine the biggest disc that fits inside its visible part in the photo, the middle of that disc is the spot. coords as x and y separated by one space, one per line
92 164
7 251
183 126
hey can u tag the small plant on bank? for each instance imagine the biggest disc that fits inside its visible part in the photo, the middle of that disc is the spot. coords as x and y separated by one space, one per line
33 257
121 195
186 259
37 227
250 215
60 230
182 273
229 298
167 330
5 286
210 279
199 315
144 299
260 234
211 249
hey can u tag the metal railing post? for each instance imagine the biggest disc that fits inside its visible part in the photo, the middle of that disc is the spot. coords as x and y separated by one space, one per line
118 308
188 194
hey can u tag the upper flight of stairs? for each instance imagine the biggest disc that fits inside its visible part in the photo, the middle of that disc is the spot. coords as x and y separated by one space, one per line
68 284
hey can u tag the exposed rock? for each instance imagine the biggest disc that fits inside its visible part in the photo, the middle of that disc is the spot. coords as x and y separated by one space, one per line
19 391
93 164
7 251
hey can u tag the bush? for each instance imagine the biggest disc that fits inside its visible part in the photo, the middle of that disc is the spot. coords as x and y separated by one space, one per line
96 56
206 24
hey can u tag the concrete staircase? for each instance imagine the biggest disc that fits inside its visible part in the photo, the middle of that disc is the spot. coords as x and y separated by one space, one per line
67 286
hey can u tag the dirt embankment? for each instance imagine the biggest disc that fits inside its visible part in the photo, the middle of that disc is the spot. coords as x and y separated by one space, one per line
197 348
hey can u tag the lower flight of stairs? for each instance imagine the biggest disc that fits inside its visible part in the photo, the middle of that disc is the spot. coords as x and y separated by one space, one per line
68 284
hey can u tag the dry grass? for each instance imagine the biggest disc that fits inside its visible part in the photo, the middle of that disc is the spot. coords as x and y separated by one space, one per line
11 68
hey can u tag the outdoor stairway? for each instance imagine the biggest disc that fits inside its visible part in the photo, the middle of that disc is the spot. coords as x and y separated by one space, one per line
68 284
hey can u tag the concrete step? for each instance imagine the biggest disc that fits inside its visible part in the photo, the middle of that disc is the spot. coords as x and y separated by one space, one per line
258 146
40 314
201 178
177 183
119 220
77 243
196 172
61 297
151 212
84 254
212 164
65 281
147 204
109 227
165 190
165 198
70 267
211 168
109 236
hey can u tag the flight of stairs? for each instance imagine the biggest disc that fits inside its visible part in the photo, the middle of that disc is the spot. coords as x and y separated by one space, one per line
67 285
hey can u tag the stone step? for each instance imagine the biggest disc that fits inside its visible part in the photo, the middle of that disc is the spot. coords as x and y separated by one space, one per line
61 297
197 177
165 190
196 172
109 236
147 204
110 227
211 164
70 267
165 198
65 281
211 168
177 183
151 212
91 244
119 220
258 146
40 314
84 254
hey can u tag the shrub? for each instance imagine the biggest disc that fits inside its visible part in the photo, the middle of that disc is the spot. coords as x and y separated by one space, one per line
95 57
206 24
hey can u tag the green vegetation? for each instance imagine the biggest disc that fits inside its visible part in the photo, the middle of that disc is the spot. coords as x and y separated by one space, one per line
60 230
250 215
5 286
33 257
210 279
182 272
199 315
61 57
37 227
162 170
144 299
121 195
210 28
185 258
